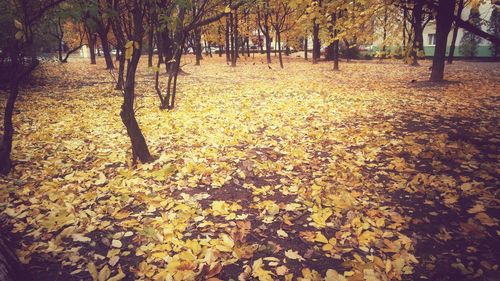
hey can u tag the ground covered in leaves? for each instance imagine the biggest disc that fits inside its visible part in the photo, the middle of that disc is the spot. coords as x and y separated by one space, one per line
260 174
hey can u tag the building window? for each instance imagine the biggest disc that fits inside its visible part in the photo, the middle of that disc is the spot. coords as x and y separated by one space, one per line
432 39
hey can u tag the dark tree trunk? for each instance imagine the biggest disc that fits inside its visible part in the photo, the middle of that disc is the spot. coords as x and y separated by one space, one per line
65 59
336 55
159 44
417 30
140 149
259 38
455 33
228 55
197 46
91 38
444 20
103 35
232 54
278 41
150 44
348 50
236 38
121 68
11 268
8 127
220 50
248 46
316 44
268 47
329 55
60 49
92 43
8 130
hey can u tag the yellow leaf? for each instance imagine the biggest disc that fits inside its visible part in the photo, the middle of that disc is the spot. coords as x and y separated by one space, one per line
327 247
19 35
333 275
226 245
282 233
293 255
476 209
92 271
227 10
281 270
320 238
18 24
104 273
380 222
118 276
129 44
260 273
116 243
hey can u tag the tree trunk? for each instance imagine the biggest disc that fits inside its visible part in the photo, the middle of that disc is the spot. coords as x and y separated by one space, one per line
121 68
336 55
278 39
139 147
444 20
228 26
329 54
92 51
197 46
248 46
65 59
455 33
236 37
348 50
11 268
91 40
232 54
316 44
150 45
8 128
159 46
60 49
103 35
417 30
261 46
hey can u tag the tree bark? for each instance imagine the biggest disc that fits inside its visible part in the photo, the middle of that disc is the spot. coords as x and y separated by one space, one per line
278 39
65 59
11 268
261 46
103 35
316 43
140 149
236 37
197 46
228 26
150 44
417 31
336 55
444 20
455 33
92 41
8 127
